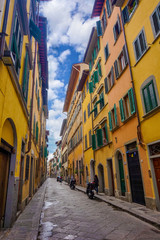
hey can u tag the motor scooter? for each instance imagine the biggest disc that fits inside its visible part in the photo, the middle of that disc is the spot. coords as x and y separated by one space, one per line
72 184
90 190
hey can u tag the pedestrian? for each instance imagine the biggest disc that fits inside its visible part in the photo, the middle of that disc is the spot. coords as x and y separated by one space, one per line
96 183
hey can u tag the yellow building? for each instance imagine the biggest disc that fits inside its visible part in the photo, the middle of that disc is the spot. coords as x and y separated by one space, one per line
73 107
23 111
142 29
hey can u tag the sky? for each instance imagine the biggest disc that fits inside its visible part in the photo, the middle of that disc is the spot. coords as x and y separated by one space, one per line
69 29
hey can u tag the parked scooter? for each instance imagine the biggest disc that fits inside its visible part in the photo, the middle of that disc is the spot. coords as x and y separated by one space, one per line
72 184
90 190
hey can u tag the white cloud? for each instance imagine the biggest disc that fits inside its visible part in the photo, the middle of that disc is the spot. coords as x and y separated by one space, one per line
64 55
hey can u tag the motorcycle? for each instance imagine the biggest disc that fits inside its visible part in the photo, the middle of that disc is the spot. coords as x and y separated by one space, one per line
90 190
72 184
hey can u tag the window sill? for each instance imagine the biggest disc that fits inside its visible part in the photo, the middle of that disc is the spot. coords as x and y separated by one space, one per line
104 145
114 129
129 118
100 111
122 71
87 148
141 57
152 112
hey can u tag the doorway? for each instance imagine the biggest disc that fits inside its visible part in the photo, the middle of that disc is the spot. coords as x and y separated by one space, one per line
101 178
4 173
135 175
110 177
121 174
156 163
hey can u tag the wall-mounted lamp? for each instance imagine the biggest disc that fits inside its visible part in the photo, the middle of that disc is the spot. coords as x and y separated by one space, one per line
8 58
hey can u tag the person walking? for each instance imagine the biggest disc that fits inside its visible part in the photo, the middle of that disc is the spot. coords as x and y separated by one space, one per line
96 183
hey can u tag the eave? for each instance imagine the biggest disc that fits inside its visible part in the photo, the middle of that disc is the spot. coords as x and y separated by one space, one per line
98 4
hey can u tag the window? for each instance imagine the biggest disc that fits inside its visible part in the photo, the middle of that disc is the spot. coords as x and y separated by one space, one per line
99 73
104 20
88 109
127 105
140 45
85 116
120 63
93 141
109 81
117 29
86 142
27 168
105 134
25 78
90 138
106 52
155 21
101 98
109 9
129 10
149 96
99 28
16 46
99 137
95 110
112 115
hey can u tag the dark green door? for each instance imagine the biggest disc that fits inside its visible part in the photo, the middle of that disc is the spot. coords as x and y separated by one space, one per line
121 173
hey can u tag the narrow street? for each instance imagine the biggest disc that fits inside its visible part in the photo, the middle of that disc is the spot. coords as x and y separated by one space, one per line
69 214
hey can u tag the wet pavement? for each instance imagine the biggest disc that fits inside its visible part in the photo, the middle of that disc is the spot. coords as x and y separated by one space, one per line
56 212
69 214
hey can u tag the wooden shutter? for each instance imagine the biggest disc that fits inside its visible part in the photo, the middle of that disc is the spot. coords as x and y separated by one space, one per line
99 28
108 8
99 137
106 131
116 69
131 100
106 52
93 141
112 76
115 115
98 43
125 54
121 110
96 77
99 69
110 121
119 24
106 85
125 15
25 83
90 87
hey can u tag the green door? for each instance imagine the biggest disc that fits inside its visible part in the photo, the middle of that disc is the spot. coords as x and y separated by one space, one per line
121 173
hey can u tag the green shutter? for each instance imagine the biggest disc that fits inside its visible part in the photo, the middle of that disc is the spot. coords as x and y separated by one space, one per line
37 132
110 121
90 66
93 141
98 44
96 77
115 115
35 31
99 28
121 110
131 101
24 85
95 53
106 131
99 69
99 137
90 87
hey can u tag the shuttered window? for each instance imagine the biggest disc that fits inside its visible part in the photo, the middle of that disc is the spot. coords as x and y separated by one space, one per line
140 45
117 29
90 87
99 138
101 97
131 100
96 77
98 44
106 52
99 28
108 8
121 110
149 97
155 20
110 121
27 168
25 78
106 85
93 141
125 15
116 69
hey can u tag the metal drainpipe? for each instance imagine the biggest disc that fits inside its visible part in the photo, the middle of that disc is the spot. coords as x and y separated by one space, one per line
3 33
34 67
92 132
135 99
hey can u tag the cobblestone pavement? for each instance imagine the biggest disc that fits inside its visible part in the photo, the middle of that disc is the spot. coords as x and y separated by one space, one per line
69 214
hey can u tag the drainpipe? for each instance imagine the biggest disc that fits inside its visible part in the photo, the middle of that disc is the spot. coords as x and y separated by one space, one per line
3 33
31 117
139 134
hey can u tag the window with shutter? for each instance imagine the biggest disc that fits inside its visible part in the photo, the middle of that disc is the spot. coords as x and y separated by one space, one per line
25 78
131 101
88 109
99 71
93 141
104 20
116 69
84 116
99 28
96 77
35 31
90 87
125 15
105 133
140 45
108 8
98 44
106 85
106 52
99 137
155 21
90 138
101 97
121 110
90 66
86 142
117 29
110 121
115 116
95 110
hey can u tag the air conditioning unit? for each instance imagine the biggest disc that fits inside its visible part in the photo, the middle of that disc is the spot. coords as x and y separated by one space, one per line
8 58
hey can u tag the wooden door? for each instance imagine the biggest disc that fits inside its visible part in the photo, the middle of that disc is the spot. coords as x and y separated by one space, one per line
135 177
4 172
121 173
156 163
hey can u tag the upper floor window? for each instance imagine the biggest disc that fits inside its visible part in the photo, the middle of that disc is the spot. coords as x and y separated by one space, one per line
112 115
149 94
90 138
95 110
109 8
104 20
140 45
86 145
85 116
155 21
88 109
101 98
117 29
109 81
129 10
120 63
106 52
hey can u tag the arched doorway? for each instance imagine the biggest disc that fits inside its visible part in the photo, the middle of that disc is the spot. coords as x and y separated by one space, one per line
92 170
101 178
121 173
8 146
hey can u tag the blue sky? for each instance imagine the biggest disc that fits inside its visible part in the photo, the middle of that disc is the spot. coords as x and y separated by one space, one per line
69 28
